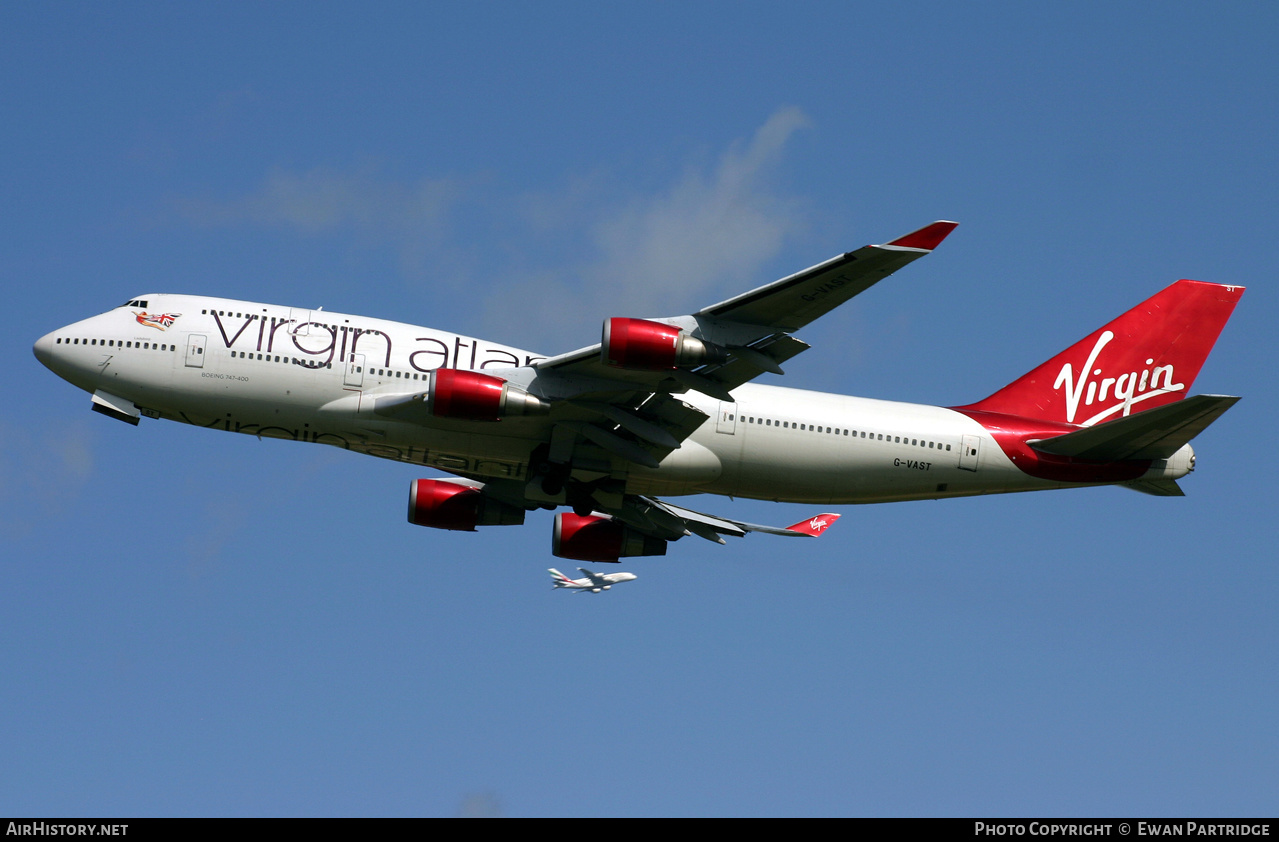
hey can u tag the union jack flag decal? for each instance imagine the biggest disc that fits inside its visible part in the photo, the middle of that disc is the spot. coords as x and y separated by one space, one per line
159 321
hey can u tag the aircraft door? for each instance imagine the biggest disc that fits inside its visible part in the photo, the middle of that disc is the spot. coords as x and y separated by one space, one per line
354 371
727 421
195 350
299 321
969 452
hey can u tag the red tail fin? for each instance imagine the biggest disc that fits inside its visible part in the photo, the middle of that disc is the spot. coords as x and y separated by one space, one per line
1147 357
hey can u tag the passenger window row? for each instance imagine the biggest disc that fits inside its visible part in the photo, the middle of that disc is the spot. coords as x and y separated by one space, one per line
268 358
840 431
118 343
390 372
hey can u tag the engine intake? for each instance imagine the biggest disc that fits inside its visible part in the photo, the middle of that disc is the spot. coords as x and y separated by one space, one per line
471 396
595 538
445 504
651 346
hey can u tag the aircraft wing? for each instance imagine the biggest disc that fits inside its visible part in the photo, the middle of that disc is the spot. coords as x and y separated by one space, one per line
755 325
632 411
665 520
793 302
595 578
661 519
620 398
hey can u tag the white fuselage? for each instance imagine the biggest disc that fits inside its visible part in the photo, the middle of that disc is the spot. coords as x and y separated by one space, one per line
314 376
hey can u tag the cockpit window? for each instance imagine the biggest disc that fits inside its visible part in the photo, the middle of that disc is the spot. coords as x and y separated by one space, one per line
137 302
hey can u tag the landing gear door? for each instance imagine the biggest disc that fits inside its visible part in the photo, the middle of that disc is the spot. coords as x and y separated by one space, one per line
354 371
195 350
727 421
969 452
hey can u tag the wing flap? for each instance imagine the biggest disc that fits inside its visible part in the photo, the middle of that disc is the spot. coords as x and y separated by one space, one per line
745 368
613 443
631 422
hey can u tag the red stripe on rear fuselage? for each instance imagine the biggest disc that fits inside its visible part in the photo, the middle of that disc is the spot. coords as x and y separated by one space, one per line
1014 433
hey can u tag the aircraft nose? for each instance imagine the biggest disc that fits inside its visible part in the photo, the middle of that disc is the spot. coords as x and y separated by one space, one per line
44 350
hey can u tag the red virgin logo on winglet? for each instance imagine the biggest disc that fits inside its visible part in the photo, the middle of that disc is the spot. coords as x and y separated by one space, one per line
814 526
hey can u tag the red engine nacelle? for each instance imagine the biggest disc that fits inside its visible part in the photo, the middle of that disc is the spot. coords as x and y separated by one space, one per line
471 396
595 538
443 504
652 346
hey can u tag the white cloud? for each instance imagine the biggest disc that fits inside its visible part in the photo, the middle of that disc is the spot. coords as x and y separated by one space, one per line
663 254
323 200
572 256
705 228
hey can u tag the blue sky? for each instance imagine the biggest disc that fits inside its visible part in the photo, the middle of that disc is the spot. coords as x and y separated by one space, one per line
205 624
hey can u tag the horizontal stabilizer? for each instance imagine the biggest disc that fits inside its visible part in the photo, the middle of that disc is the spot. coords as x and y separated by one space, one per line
1154 434
1156 487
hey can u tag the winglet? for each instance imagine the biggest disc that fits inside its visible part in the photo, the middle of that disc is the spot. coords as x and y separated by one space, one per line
814 526
927 238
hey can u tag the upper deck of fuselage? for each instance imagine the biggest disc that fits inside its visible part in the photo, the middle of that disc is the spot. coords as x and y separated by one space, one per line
316 336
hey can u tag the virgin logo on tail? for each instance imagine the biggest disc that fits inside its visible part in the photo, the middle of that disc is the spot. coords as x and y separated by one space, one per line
1128 388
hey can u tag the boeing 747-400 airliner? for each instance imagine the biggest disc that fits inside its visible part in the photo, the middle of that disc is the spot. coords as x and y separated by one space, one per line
659 408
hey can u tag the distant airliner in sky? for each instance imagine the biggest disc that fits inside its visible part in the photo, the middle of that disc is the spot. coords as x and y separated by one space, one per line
661 407
592 581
